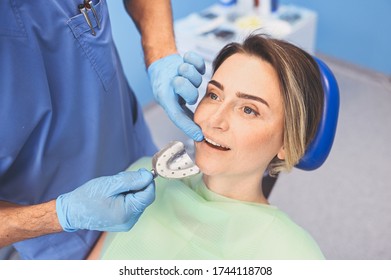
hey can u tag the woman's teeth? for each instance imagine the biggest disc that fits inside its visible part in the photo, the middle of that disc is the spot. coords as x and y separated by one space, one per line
209 141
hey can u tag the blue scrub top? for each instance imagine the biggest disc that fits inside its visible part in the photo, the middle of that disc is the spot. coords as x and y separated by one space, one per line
67 113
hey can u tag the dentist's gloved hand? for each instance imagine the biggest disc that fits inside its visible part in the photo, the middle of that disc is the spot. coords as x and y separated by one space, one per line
174 82
112 203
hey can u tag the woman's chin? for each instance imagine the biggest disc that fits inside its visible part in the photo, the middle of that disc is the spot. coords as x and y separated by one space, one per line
207 164
206 167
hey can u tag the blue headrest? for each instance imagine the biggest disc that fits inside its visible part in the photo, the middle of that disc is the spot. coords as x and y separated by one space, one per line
319 149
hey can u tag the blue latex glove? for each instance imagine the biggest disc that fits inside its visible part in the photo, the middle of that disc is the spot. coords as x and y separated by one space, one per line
112 203
174 82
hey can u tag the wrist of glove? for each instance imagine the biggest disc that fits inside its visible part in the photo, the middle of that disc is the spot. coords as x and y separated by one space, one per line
112 203
174 82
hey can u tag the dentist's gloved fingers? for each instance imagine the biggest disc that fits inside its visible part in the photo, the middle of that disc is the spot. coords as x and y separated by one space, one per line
189 72
196 60
181 120
131 181
111 203
161 74
184 88
140 200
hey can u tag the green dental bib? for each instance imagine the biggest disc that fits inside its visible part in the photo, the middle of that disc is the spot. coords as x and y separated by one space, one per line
188 221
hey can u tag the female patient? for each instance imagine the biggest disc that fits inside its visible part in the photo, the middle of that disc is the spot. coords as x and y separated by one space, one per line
259 113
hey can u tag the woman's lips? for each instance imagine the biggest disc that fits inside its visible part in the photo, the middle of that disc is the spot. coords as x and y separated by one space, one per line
216 145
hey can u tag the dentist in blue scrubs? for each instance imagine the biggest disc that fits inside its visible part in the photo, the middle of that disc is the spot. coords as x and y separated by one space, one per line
70 123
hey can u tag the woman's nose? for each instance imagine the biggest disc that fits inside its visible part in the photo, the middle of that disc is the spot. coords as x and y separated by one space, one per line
219 119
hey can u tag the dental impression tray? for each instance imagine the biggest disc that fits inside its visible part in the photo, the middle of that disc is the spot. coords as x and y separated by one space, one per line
173 162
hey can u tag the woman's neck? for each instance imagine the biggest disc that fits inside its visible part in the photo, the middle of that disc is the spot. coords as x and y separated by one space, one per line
245 188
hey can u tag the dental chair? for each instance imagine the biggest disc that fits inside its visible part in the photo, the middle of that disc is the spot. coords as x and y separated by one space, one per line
319 149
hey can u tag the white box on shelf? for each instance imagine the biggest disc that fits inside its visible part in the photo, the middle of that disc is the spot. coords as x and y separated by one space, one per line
214 27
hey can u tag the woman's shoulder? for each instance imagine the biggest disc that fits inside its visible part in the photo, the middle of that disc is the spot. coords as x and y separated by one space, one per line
290 240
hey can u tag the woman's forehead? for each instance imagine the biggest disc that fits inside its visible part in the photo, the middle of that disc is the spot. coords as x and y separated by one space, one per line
249 74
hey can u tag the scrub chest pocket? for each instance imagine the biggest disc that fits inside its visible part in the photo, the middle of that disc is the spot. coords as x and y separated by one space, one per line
10 21
98 48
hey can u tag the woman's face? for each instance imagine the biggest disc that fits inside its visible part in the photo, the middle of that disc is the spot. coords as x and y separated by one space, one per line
241 116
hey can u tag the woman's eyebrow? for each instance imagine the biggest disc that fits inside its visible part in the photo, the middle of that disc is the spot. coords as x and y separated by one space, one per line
252 97
240 94
216 84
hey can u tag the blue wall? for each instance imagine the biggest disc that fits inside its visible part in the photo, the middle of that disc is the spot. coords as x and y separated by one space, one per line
354 30
351 30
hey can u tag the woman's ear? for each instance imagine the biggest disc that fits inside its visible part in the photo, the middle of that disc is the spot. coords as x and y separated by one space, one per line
281 153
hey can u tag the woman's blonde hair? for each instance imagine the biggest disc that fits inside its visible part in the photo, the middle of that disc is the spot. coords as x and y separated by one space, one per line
301 90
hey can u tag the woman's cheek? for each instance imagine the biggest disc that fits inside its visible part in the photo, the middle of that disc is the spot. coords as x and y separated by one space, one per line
196 115
199 115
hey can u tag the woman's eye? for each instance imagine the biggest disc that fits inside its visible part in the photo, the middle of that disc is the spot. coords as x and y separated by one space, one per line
249 111
213 96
